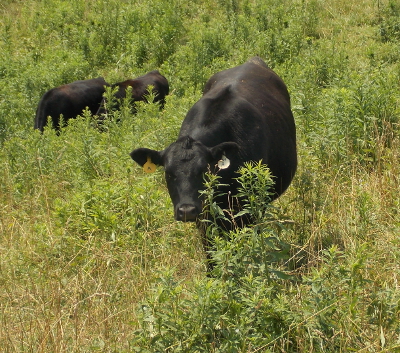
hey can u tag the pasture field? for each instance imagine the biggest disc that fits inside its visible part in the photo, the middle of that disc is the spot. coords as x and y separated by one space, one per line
91 259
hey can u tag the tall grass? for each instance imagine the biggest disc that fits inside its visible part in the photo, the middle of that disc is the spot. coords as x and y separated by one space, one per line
90 256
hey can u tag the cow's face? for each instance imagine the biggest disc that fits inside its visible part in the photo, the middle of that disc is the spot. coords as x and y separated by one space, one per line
185 162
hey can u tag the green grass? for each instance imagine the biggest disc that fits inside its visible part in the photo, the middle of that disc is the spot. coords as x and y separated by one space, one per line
91 259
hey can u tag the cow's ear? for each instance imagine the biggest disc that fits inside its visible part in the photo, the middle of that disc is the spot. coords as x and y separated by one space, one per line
225 148
142 155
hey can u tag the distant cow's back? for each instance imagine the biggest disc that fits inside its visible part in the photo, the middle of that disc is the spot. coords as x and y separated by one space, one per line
69 100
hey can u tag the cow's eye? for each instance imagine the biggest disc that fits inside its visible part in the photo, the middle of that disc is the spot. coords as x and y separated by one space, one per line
169 176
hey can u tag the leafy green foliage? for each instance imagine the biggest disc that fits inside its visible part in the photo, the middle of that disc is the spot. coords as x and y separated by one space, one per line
238 309
256 181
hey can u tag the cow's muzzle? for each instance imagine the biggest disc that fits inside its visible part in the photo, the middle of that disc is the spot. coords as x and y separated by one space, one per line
186 213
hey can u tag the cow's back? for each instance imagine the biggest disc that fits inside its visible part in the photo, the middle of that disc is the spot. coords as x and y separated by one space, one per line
250 105
255 82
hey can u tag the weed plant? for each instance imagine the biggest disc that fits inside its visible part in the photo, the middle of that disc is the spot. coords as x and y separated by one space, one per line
91 259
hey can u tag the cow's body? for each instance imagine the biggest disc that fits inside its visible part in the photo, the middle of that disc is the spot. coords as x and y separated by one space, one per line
140 89
69 101
245 114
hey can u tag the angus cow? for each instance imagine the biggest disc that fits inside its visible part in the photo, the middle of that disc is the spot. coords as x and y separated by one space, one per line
69 100
140 88
244 115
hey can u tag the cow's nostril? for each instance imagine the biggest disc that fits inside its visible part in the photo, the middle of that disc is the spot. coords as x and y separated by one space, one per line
186 213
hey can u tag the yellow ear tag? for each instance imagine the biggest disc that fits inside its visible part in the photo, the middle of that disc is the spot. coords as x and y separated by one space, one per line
149 166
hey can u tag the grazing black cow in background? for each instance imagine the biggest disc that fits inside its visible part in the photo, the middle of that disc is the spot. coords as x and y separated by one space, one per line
69 100
244 114
140 88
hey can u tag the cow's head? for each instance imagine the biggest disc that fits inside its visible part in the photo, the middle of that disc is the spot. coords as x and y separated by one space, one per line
185 162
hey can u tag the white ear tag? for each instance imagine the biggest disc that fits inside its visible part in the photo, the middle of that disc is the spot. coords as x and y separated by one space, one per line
224 162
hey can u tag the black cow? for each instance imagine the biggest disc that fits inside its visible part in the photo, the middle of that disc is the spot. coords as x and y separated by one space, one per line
69 100
244 114
140 88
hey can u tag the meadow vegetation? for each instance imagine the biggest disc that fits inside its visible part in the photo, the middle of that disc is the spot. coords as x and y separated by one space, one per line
91 259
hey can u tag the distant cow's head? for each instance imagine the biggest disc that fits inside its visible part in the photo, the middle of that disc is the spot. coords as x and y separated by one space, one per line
185 162
139 89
